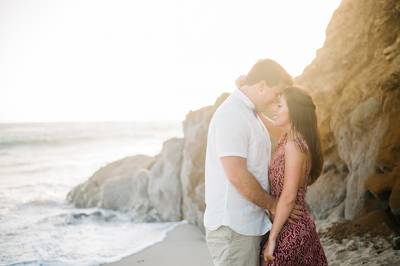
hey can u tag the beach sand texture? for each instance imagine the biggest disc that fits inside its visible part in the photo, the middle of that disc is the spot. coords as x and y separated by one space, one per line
185 245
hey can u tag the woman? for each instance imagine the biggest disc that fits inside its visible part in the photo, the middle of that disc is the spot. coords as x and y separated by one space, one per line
295 164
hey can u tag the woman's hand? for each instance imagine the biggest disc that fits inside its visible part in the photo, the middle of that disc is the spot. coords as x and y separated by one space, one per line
240 81
269 250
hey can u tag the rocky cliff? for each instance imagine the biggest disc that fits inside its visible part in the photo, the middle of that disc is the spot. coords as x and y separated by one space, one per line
355 82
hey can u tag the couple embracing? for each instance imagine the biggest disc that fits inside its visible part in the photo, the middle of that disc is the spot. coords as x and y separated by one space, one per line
255 194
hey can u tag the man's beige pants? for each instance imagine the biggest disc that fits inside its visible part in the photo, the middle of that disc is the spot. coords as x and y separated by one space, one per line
228 248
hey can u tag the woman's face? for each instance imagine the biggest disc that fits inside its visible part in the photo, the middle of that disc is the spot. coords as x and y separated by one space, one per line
281 113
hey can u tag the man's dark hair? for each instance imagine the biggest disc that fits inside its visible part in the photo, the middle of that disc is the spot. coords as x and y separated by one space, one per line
271 72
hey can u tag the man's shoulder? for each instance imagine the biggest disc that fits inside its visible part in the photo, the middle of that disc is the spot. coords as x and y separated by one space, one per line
227 109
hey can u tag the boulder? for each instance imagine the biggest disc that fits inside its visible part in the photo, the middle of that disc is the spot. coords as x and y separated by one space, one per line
89 193
148 188
327 192
164 189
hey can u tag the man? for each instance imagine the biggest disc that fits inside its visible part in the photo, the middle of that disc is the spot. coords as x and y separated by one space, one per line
236 169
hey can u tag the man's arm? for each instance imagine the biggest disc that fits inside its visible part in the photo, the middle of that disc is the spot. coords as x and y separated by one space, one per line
236 170
232 138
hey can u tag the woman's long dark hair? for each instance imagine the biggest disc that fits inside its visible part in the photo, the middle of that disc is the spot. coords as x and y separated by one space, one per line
303 117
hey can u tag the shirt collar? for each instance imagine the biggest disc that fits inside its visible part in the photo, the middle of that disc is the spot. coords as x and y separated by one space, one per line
243 97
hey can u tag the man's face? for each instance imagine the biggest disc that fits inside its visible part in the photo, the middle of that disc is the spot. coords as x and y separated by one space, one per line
268 94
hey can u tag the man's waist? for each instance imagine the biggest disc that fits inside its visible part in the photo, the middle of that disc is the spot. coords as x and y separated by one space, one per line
241 211
251 227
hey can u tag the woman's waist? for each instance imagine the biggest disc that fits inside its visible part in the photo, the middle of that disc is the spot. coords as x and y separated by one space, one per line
303 219
301 205
300 198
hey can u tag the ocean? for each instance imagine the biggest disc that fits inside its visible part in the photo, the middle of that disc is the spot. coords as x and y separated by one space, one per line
41 162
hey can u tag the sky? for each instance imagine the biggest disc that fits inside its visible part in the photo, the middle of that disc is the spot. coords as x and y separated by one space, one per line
96 60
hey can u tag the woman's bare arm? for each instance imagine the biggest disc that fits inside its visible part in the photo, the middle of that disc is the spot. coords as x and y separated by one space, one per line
294 160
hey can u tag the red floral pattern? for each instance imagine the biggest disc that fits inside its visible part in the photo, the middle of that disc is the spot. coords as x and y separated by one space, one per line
297 244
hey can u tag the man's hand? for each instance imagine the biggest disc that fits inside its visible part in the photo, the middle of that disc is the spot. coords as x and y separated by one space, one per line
295 214
272 210
246 184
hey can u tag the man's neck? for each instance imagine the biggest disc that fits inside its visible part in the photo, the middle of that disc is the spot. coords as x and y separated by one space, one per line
246 91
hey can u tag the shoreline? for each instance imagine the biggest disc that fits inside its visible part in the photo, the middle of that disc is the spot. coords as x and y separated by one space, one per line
183 245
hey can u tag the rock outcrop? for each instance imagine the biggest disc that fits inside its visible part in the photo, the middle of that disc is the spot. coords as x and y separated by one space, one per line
329 191
164 190
89 193
146 187
355 81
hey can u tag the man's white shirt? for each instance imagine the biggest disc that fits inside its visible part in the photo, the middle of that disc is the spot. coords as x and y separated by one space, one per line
235 130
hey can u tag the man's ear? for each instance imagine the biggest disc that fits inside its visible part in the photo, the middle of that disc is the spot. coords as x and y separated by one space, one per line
262 86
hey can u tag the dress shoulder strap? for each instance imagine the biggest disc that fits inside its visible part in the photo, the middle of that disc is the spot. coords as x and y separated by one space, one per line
283 139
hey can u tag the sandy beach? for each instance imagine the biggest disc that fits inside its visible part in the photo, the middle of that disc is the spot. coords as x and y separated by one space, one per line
184 245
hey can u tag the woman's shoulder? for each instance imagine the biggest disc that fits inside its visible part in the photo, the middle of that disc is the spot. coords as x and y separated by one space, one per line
296 143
